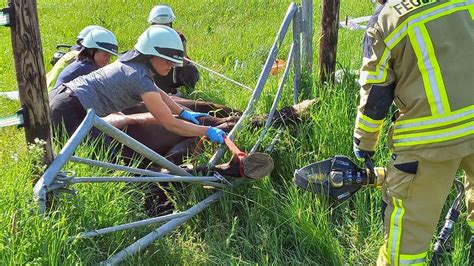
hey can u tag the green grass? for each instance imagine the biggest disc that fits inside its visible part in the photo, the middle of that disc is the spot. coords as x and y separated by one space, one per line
265 222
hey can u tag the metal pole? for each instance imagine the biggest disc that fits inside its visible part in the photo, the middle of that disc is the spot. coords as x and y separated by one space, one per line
261 81
30 74
42 186
138 179
307 40
276 100
138 147
116 167
274 141
297 55
162 230
144 150
135 171
136 224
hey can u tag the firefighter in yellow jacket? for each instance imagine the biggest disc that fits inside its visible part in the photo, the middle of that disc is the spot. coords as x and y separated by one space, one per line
419 54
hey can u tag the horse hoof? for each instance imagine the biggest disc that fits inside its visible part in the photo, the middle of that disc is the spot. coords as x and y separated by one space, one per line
302 108
257 165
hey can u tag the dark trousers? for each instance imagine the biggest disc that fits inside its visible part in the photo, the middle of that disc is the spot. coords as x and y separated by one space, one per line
67 112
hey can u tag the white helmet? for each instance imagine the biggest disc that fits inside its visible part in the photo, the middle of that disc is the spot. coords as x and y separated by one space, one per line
161 41
161 14
86 30
101 39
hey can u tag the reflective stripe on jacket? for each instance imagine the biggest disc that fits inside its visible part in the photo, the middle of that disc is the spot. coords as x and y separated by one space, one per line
63 62
419 54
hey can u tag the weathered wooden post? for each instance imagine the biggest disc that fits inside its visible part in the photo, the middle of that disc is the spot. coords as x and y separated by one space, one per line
30 73
328 44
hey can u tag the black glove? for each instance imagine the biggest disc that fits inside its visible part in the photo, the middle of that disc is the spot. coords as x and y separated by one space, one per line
363 155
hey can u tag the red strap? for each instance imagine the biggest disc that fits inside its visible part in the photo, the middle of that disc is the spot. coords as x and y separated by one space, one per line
232 147
199 145
237 152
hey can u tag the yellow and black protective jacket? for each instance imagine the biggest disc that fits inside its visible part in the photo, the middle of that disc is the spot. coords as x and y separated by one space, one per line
63 62
419 55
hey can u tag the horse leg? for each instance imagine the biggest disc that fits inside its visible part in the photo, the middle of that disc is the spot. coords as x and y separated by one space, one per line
156 201
254 166
160 140
213 109
287 115
177 154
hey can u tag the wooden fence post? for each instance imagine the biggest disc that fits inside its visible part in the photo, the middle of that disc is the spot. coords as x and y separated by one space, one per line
30 73
328 44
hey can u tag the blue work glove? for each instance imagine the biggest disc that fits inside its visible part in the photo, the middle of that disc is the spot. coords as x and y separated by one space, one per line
215 135
363 155
191 116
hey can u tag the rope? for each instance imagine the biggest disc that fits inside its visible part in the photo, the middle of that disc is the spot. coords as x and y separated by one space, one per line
220 75
14 120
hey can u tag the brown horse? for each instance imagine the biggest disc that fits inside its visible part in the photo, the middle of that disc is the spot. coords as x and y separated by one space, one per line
175 148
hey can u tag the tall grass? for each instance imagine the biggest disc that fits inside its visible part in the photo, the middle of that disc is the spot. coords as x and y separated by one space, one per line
265 222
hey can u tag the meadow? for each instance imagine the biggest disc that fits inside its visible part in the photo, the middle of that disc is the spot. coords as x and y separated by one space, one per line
265 222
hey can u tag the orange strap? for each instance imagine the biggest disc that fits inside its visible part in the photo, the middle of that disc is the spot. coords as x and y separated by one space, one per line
199 145
237 152
232 147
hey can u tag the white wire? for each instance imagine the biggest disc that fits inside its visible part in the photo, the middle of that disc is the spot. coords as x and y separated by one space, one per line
220 75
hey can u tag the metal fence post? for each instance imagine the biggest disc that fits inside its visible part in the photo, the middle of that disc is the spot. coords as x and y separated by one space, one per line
307 45
297 55
261 80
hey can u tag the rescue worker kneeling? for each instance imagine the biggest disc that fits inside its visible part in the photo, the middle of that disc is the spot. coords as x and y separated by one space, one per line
69 57
97 48
186 75
129 81
418 54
